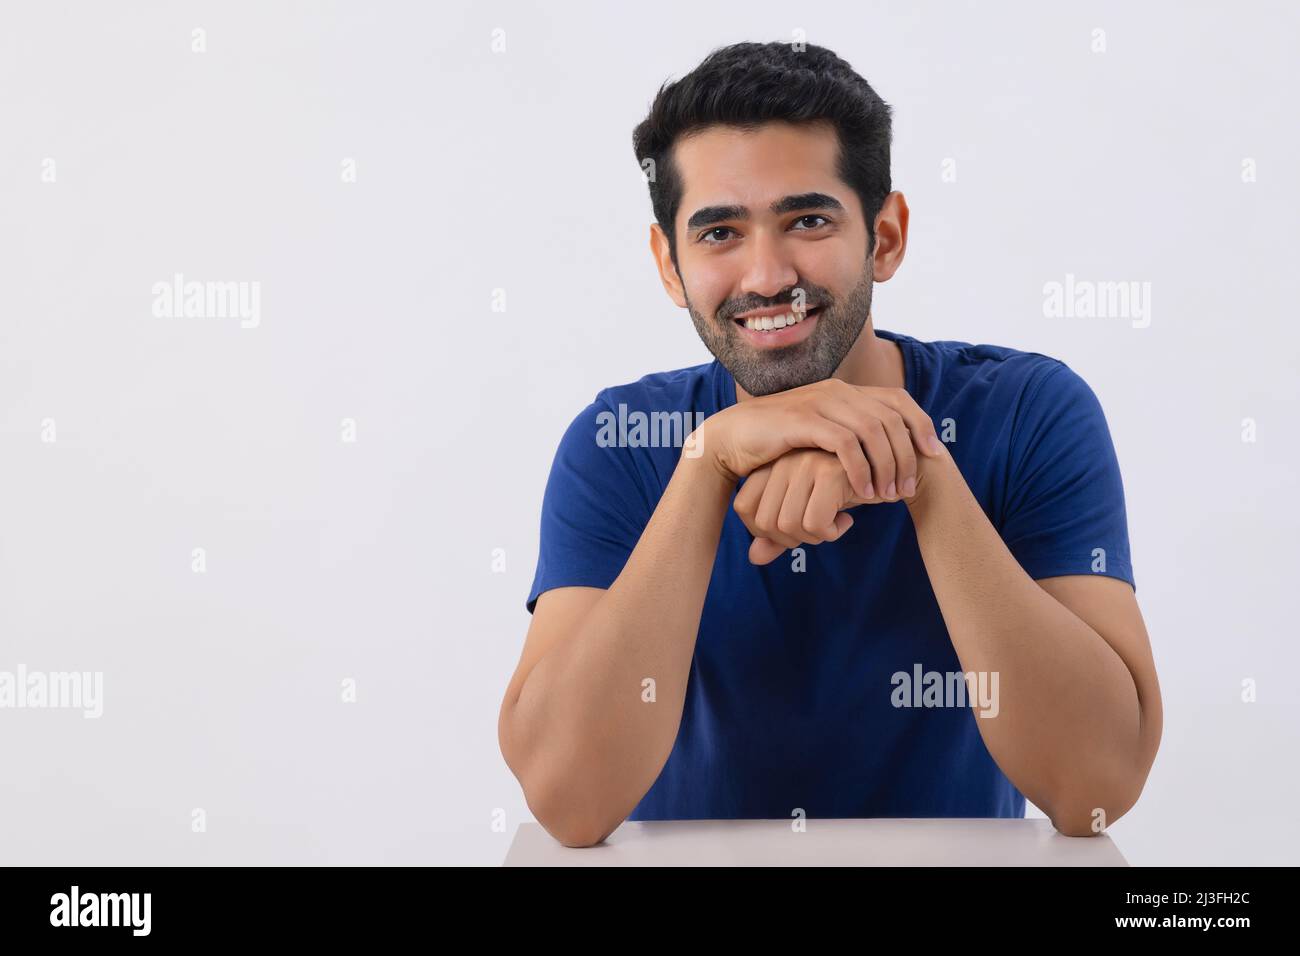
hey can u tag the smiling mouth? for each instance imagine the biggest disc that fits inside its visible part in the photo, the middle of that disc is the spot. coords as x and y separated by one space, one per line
771 323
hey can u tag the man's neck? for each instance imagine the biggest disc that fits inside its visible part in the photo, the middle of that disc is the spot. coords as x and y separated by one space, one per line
871 361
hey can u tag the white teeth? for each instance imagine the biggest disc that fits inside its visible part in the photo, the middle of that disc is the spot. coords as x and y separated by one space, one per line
770 322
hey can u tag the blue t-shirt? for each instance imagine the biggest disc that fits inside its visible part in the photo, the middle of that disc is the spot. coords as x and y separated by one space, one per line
795 697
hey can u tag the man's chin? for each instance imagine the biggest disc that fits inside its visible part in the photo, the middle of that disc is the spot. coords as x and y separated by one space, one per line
759 384
767 371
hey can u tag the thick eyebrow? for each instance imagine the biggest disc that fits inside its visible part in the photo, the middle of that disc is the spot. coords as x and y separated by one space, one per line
715 214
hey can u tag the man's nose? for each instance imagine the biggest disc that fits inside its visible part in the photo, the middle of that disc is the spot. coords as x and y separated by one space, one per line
769 268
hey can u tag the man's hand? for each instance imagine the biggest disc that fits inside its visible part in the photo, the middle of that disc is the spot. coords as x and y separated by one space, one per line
874 432
798 499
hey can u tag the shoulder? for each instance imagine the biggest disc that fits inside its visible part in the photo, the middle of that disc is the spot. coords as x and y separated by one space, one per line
1017 391
676 389
638 428
956 361
993 375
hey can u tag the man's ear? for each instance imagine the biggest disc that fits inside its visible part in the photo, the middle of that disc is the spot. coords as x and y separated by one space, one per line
664 261
891 237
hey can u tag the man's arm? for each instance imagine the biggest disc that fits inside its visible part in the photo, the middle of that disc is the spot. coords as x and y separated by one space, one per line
574 727
1080 717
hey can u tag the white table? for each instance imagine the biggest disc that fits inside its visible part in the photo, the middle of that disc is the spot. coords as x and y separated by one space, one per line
857 842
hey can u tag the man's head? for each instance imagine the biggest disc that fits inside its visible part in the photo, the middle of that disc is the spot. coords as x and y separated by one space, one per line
769 179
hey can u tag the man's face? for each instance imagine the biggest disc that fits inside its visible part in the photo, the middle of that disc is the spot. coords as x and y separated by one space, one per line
766 223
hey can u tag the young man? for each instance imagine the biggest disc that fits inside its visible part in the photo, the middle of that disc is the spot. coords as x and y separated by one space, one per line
954 628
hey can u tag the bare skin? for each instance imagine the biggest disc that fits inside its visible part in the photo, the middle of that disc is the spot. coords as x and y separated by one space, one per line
1081 715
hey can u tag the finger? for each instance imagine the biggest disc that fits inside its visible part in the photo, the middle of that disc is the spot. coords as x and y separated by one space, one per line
789 520
900 440
817 431
765 523
919 425
824 503
865 417
880 452
843 522
764 551
751 493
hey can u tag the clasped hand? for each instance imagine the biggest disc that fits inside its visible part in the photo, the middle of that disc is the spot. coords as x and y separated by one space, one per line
807 454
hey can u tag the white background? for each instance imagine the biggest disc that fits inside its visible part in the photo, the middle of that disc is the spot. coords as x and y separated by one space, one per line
479 171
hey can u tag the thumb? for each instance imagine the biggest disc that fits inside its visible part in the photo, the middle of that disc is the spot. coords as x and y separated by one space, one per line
764 551
843 522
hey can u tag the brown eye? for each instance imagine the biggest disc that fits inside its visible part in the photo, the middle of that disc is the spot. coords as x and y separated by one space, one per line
704 237
810 216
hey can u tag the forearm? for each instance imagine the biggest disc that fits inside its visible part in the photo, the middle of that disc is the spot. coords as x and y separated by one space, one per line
1068 728
596 734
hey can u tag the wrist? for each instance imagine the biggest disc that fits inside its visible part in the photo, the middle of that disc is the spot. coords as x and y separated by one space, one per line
932 477
702 447
699 464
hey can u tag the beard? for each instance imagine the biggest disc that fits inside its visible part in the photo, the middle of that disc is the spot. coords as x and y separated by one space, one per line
765 371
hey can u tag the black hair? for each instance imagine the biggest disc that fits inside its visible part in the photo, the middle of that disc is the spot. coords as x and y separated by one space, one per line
747 84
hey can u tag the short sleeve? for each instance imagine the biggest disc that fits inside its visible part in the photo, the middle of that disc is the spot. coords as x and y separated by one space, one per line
1064 511
594 508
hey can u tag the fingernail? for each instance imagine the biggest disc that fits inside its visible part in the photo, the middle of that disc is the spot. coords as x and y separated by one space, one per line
890 492
936 446
868 492
909 487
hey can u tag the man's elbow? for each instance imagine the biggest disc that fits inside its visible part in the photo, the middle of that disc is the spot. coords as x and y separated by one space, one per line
553 802
580 836
1073 825
571 826
1087 818
555 808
